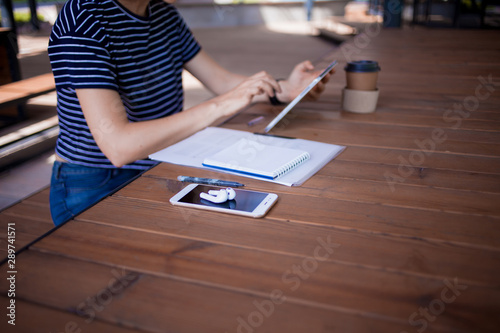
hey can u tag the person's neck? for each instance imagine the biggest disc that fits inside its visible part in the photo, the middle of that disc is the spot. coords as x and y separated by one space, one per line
138 7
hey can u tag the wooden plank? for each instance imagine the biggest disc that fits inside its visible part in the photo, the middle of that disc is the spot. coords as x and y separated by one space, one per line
32 318
274 234
349 138
40 198
32 210
19 91
400 110
403 195
394 193
33 85
8 96
25 227
375 134
135 299
387 151
437 160
422 176
256 272
485 121
404 105
401 157
28 131
30 219
298 205
397 132
28 147
383 165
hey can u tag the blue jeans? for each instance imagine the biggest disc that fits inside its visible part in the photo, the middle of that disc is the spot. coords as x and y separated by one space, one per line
74 188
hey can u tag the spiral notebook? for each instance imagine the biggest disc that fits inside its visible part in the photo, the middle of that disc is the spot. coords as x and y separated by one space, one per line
256 159
206 143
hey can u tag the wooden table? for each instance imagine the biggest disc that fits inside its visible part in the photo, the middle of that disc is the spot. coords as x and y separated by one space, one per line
20 91
400 233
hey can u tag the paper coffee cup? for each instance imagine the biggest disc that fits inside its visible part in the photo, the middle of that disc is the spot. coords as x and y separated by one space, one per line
359 101
362 75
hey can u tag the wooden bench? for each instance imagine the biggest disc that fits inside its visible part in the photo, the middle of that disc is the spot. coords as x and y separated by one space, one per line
21 91
33 139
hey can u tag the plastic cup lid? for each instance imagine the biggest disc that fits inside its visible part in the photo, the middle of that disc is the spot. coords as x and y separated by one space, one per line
362 66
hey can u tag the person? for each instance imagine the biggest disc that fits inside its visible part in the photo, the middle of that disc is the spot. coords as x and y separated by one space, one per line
117 65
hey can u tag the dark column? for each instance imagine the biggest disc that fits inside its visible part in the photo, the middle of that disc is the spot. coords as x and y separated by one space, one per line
8 15
34 17
393 10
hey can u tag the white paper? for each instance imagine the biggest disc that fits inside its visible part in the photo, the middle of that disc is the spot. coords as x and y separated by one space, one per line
193 150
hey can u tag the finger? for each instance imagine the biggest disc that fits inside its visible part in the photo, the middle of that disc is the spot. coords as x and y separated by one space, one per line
271 88
312 96
269 79
253 91
260 87
318 89
326 78
305 66
275 86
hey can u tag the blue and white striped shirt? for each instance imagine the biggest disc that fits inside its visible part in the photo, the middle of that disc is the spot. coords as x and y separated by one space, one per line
100 44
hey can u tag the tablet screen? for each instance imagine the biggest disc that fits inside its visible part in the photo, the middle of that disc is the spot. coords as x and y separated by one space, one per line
299 97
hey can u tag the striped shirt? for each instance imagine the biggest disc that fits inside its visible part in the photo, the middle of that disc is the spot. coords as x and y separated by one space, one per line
100 44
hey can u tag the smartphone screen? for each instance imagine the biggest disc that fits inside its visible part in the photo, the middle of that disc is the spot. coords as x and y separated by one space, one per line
246 202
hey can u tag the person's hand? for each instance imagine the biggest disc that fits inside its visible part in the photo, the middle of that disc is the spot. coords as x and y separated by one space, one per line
244 93
302 75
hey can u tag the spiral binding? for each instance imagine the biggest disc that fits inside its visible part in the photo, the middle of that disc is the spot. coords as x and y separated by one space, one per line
291 165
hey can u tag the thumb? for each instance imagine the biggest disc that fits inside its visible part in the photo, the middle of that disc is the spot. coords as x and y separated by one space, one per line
305 66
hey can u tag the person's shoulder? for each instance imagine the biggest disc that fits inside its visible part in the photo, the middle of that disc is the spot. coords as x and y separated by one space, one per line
76 8
160 6
161 3
77 16
78 11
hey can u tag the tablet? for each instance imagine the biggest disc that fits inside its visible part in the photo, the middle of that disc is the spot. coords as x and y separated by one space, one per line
298 98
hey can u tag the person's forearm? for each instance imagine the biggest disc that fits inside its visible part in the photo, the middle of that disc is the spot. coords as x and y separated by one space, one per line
124 142
219 80
232 80
213 76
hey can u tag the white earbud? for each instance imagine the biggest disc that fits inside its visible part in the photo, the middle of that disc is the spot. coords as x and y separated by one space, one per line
219 196
231 194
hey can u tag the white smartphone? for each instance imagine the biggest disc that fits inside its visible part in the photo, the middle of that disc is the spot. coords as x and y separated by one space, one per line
246 202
